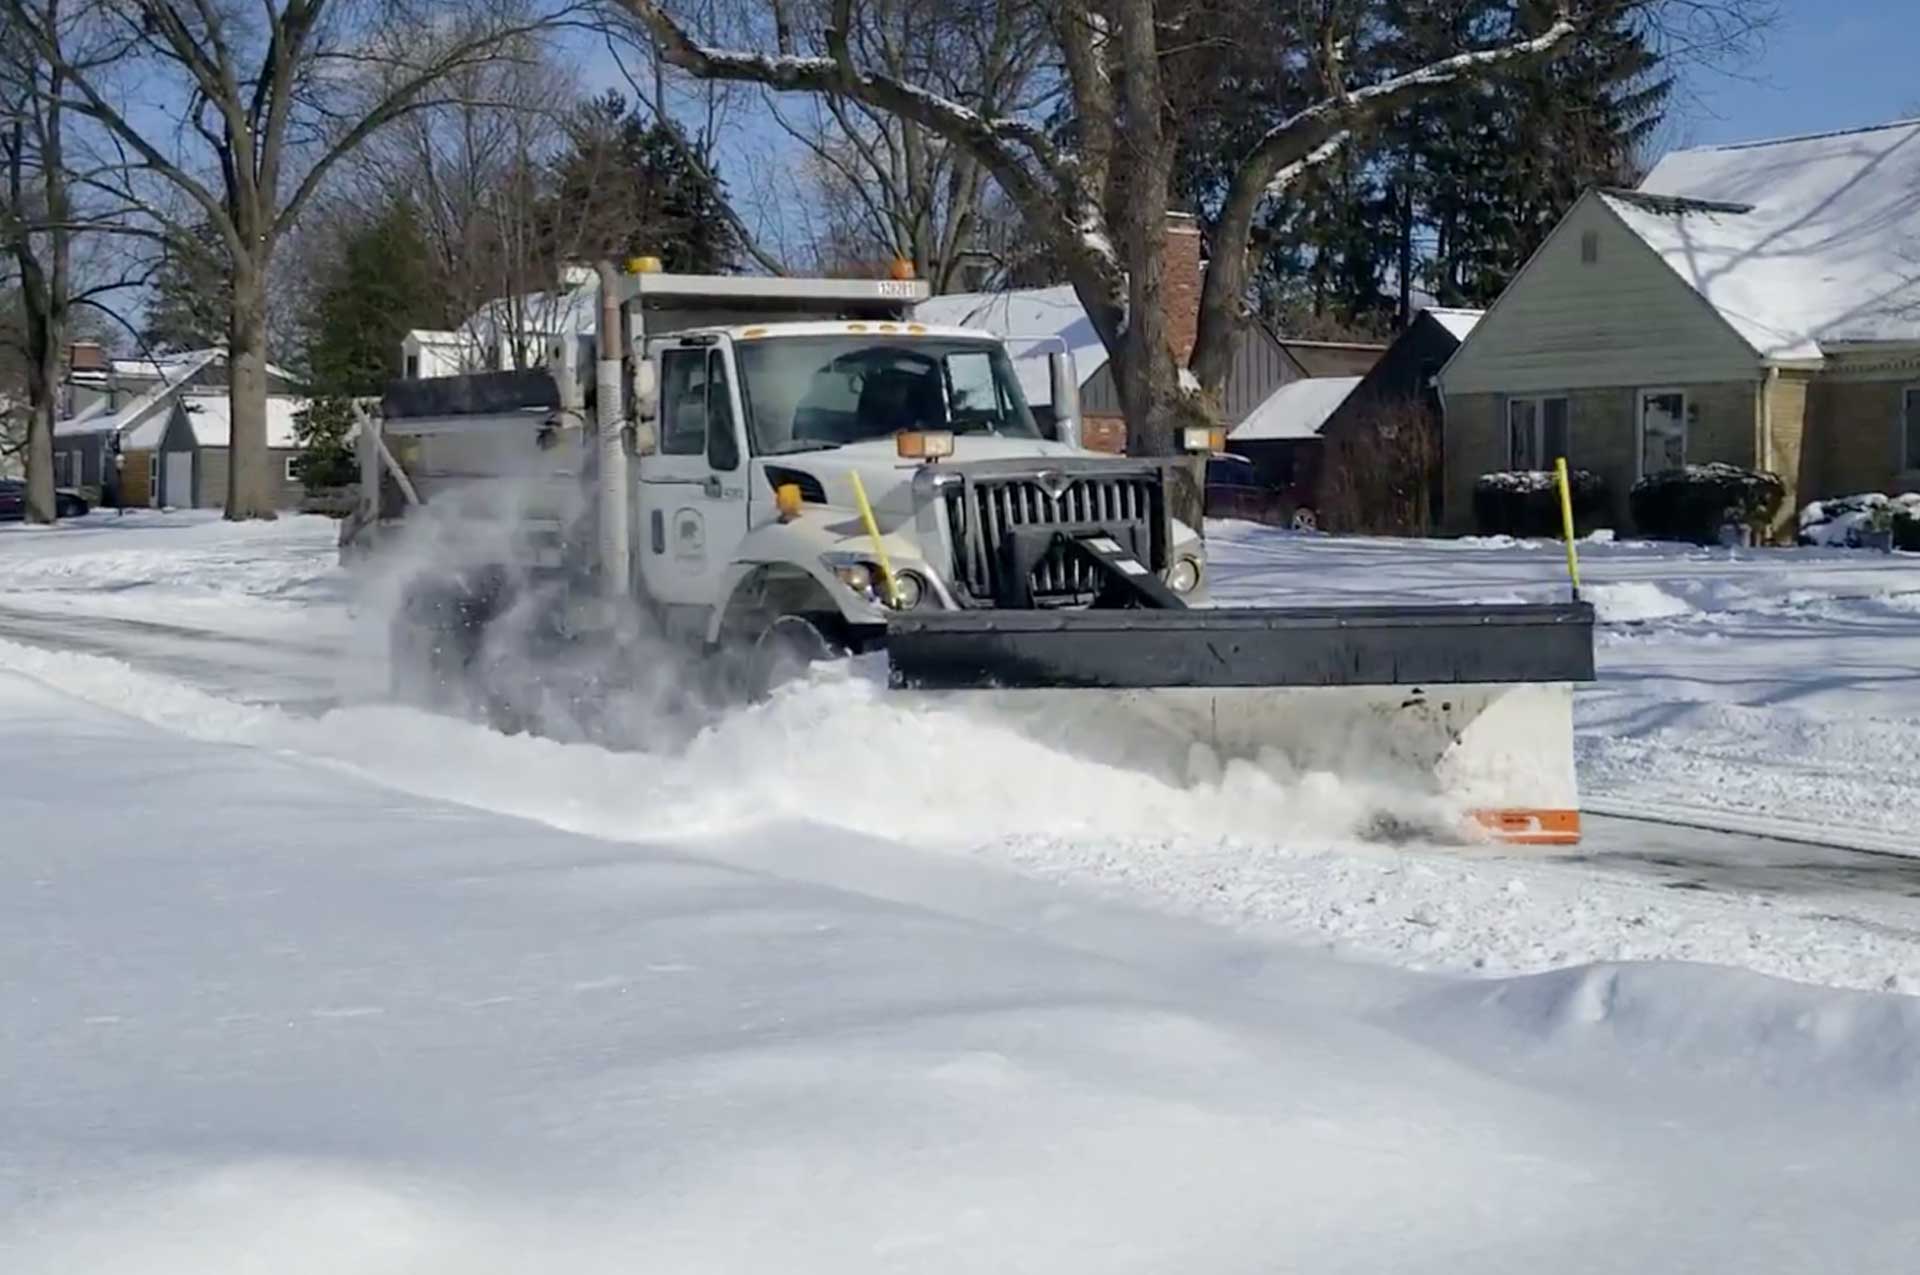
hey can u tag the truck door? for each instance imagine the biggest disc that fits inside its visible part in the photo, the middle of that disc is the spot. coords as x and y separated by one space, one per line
692 506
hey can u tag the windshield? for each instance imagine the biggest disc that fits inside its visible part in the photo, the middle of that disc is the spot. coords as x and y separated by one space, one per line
802 393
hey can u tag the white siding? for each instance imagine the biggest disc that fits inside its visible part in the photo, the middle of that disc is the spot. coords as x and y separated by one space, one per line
1624 320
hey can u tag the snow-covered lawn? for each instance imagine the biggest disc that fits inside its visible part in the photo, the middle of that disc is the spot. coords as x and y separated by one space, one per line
297 980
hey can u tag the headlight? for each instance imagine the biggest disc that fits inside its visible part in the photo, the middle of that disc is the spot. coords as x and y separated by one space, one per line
863 578
857 576
1184 575
909 589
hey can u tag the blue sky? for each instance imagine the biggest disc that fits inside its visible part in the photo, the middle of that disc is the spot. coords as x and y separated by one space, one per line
1827 64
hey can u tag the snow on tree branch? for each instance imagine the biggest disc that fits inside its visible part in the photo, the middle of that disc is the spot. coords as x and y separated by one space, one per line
1305 133
1312 136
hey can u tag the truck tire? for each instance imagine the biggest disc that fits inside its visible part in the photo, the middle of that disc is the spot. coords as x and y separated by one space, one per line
784 651
435 640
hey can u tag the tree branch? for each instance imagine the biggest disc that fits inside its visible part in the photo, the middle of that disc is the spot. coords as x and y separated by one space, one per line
1312 136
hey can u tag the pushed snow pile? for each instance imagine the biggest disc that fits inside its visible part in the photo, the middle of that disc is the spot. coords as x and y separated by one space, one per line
1634 602
837 750
1715 1022
1847 522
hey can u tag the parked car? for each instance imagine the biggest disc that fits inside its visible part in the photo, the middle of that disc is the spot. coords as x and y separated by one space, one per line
67 503
1233 491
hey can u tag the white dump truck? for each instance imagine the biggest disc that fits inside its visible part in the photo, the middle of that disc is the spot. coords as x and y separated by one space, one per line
780 471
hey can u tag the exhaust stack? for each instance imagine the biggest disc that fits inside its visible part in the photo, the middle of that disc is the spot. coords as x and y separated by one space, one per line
609 417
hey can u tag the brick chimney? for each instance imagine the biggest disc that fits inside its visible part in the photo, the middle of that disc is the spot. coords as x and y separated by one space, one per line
1180 283
86 356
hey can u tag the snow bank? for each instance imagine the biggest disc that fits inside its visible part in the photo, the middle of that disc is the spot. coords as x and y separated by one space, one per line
272 1018
1634 602
1242 844
1718 1024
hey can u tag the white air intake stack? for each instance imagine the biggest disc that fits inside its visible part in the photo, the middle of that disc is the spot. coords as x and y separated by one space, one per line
609 416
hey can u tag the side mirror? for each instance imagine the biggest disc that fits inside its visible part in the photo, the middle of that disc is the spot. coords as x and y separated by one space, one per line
1066 398
646 390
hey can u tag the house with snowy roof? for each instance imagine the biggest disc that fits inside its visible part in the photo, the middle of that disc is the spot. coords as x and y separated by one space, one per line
1308 434
507 332
167 418
1757 304
1037 321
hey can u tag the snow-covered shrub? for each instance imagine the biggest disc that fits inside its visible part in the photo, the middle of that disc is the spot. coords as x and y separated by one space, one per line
1694 502
1853 521
1526 502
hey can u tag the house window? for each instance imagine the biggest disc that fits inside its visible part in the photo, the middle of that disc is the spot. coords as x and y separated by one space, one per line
1536 431
1910 428
1589 247
153 478
1663 430
413 367
293 475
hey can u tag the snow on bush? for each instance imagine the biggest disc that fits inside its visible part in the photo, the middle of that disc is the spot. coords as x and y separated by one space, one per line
1694 502
1526 502
1846 521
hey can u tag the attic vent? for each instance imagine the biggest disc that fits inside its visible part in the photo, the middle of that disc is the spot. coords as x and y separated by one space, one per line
1589 247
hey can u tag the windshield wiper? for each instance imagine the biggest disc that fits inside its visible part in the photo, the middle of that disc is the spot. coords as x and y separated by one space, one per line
793 445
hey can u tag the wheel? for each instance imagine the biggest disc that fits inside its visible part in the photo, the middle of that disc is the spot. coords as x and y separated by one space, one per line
436 639
1304 519
784 652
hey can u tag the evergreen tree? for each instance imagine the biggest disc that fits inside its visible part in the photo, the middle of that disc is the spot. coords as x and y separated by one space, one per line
191 291
626 187
1451 196
380 287
1503 165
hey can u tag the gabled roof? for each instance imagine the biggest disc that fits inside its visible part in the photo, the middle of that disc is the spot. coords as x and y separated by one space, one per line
1458 323
210 416
1797 243
1037 313
1296 410
173 377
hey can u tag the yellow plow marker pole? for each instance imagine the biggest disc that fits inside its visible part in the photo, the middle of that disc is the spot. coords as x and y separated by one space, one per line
879 547
1566 522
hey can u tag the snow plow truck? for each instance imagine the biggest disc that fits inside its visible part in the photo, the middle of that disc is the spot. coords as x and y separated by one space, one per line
780 471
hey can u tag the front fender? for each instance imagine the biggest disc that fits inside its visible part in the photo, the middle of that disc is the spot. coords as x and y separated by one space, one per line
789 552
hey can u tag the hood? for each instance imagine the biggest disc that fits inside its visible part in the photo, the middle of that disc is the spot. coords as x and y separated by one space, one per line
889 480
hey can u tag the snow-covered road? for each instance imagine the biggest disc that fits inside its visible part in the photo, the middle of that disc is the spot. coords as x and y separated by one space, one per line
260 1015
302 981
247 634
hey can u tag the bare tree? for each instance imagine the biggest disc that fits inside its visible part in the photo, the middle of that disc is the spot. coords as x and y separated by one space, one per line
1097 199
1380 470
890 187
271 99
471 165
35 219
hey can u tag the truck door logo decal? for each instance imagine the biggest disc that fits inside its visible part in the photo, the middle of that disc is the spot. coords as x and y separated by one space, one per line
689 534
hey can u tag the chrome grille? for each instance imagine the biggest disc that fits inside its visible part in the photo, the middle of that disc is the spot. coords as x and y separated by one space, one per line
983 512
